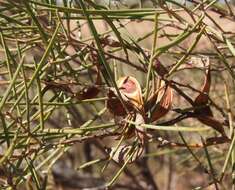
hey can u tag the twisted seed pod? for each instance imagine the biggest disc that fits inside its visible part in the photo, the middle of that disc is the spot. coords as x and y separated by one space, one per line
162 97
122 153
164 102
203 111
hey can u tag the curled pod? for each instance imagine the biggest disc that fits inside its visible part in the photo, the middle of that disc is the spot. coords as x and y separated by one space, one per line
202 110
125 153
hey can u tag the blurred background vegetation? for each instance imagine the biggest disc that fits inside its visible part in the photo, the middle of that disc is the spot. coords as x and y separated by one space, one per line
61 60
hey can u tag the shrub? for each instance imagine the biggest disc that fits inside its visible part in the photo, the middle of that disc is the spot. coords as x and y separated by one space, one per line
96 97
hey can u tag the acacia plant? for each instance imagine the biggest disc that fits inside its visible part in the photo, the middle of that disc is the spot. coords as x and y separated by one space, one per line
110 96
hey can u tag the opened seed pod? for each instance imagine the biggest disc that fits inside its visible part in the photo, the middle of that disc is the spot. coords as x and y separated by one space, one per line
131 91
